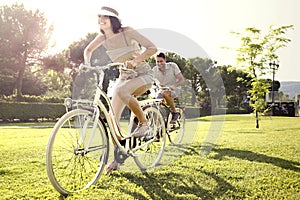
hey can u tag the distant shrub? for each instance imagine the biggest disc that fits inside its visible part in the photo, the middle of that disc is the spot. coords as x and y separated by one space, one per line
31 98
30 111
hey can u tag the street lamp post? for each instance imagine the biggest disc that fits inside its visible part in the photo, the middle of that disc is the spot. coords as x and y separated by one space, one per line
274 66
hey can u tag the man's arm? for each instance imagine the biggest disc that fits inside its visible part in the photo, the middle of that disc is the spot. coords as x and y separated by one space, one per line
179 82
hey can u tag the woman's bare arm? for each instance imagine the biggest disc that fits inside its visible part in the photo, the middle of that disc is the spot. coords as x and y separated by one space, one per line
91 47
142 40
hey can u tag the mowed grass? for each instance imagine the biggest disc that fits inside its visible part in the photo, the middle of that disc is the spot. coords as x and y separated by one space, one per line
245 163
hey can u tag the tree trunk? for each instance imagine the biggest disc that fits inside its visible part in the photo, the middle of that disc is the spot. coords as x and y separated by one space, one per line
194 92
257 120
21 76
20 82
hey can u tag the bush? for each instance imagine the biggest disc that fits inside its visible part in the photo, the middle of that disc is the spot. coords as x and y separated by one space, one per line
30 111
238 111
193 112
31 98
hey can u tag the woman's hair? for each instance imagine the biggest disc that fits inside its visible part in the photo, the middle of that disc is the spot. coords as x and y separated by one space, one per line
115 23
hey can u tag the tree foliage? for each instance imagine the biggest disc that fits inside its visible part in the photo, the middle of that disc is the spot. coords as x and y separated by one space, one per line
236 86
202 77
256 51
207 82
57 62
23 37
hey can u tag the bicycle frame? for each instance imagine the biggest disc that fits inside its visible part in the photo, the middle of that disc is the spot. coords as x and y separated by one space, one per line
166 114
99 106
78 146
163 102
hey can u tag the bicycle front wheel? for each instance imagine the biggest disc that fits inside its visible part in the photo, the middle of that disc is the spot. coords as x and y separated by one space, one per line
77 151
152 145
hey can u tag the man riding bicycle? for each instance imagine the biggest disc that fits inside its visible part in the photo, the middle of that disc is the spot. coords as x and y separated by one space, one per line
169 75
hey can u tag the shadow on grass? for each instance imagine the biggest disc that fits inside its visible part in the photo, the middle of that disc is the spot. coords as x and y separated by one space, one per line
172 185
205 148
253 132
177 185
257 157
201 149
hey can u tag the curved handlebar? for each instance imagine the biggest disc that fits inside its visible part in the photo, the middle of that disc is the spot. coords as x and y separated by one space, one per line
121 66
83 66
162 88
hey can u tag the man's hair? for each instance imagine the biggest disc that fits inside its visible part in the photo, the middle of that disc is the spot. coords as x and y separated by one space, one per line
161 55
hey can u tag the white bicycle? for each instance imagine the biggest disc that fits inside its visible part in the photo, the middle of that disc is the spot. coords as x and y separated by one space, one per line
78 147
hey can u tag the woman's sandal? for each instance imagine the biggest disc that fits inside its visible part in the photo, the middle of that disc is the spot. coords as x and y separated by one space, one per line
140 130
114 165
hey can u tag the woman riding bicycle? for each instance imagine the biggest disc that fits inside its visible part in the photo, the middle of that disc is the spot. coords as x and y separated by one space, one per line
123 44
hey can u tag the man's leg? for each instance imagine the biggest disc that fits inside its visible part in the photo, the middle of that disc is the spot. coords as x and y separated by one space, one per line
170 102
169 99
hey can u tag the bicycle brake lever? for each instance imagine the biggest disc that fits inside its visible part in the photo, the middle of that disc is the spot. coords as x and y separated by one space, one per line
83 67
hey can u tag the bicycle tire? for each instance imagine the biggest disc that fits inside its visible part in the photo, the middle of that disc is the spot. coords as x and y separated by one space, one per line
69 167
150 156
176 131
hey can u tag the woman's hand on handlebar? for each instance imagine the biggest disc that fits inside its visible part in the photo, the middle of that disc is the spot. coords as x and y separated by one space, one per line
84 67
172 87
164 88
130 64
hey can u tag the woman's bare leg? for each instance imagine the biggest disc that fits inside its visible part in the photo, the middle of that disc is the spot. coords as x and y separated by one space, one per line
124 95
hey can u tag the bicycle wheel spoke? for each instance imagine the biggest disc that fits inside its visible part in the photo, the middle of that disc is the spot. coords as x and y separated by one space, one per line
176 131
76 153
150 155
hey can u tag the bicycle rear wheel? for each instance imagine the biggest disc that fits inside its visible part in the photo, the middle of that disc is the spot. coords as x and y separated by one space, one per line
176 131
150 154
77 151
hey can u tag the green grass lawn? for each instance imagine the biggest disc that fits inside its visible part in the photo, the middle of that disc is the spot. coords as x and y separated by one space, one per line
245 163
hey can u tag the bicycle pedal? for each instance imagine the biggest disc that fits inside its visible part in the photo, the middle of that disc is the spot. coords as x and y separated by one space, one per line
123 142
146 138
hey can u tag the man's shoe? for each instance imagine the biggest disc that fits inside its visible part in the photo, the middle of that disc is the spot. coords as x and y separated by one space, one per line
175 117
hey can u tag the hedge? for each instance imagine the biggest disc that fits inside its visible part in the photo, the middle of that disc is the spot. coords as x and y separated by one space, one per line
24 111
192 112
30 111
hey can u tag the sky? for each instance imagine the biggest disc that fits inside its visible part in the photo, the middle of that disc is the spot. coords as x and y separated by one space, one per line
203 23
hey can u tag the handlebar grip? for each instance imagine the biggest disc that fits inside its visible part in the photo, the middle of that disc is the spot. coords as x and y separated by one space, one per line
84 67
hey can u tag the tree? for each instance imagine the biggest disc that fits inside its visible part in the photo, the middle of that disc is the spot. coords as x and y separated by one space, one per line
195 72
75 52
23 37
235 82
207 82
254 54
98 58
56 75
57 62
